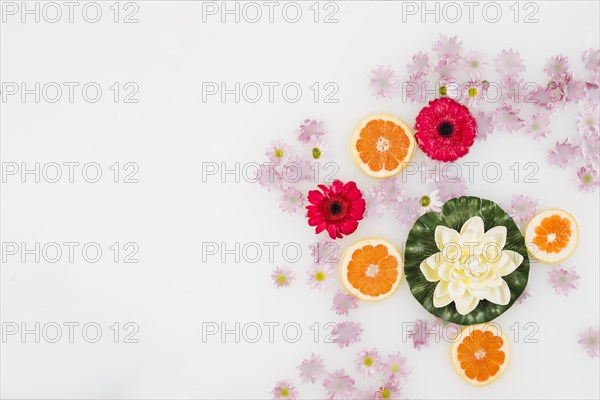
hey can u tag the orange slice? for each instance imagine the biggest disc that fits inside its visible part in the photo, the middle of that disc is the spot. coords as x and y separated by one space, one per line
371 269
382 145
480 353
552 235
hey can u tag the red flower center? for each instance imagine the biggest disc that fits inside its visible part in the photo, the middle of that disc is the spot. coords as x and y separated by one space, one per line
445 129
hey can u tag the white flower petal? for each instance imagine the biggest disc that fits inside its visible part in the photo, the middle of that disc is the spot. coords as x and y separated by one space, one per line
430 266
472 229
444 235
498 295
441 301
455 290
444 270
441 289
466 303
495 235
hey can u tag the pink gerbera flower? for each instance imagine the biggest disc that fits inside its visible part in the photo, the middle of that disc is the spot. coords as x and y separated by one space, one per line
588 179
557 66
522 208
390 389
507 118
284 390
310 130
390 190
394 364
509 62
538 125
344 302
474 64
563 280
563 153
419 65
311 369
448 46
445 129
336 208
408 210
282 277
419 335
375 206
346 333
590 340
292 200
384 83
451 187
367 362
485 125
339 385
320 276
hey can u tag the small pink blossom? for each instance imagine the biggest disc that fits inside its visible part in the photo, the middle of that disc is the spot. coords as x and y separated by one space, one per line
299 169
420 334
384 83
367 362
557 66
451 187
591 59
292 200
474 64
344 302
446 67
516 90
563 280
509 62
419 65
588 119
346 333
268 177
311 369
318 149
485 125
588 179
507 118
278 152
339 386
538 125
546 96
563 153
325 251
473 92
407 211
284 390
590 147
320 276
391 190
282 277
448 47
375 206
394 364
590 340
450 87
522 208
415 88
390 389
309 130
575 90
524 296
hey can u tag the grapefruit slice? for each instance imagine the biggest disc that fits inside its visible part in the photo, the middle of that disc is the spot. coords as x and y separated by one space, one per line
371 269
382 145
552 235
480 353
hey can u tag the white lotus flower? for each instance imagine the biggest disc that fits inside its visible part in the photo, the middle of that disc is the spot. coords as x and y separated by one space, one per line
470 266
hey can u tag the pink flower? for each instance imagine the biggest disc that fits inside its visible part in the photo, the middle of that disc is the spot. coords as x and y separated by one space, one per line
419 65
474 92
339 386
311 369
325 251
590 147
557 66
346 333
449 87
408 210
575 91
451 187
588 179
546 97
516 90
522 208
344 302
485 125
299 169
509 62
590 340
446 67
268 177
420 334
292 200
394 364
507 118
374 201
367 362
389 390
563 280
538 125
320 276
591 59
391 190
524 296
563 153
448 46
415 88
588 120
284 390
474 64
282 277
278 152
309 130
384 83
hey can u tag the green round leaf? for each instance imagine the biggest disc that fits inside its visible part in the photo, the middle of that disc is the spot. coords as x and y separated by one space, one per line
421 244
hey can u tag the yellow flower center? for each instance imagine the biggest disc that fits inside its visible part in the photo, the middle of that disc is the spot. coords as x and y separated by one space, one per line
425 201
320 276
278 153
385 393
284 392
368 361
316 153
443 90
281 279
472 92
395 368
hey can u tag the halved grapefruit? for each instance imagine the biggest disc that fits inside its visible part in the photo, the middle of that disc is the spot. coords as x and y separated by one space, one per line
552 235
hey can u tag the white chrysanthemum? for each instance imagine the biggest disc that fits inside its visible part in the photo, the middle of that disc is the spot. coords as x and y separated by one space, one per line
470 266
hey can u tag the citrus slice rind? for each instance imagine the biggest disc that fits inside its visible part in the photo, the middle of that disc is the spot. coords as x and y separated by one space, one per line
382 145
552 235
480 353
371 269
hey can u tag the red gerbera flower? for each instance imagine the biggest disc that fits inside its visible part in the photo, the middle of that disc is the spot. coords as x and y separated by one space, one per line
445 129
337 208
